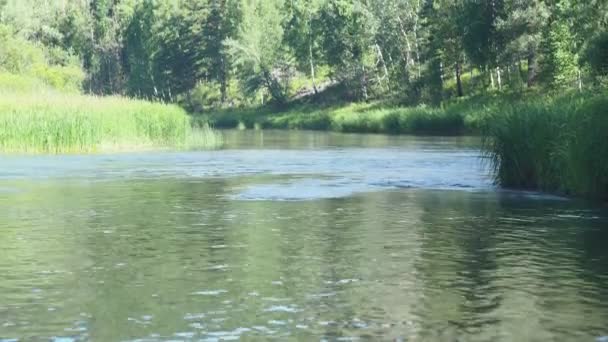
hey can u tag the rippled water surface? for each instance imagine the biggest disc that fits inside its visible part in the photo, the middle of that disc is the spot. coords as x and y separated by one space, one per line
294 236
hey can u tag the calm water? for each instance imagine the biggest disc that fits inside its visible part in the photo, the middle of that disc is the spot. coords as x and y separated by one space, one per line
294 236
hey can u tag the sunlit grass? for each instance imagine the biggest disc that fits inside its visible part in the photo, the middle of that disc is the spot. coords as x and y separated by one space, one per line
452 119
49 122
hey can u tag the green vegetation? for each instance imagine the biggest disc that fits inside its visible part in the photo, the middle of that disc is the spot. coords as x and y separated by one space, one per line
458 117
59 123
41 110
27 66
557 145
230 53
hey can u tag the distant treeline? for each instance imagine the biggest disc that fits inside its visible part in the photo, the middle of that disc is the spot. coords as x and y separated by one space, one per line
247 52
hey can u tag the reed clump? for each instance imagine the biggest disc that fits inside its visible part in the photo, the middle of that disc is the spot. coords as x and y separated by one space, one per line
557 144
51 122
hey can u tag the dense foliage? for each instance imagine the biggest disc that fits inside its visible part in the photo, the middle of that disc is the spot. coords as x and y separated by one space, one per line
230 52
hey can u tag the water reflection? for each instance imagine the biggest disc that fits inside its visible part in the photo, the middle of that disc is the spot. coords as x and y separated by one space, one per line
181 258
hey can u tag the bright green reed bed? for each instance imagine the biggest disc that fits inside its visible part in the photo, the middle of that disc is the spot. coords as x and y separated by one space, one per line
552 144
51 122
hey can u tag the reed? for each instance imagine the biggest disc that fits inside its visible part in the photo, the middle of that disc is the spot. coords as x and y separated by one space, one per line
551 144
51 122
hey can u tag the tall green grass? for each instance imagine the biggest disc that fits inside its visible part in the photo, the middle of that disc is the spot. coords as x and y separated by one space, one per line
50 122
551 144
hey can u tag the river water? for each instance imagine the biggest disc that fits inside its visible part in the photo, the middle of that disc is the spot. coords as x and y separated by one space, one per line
294 236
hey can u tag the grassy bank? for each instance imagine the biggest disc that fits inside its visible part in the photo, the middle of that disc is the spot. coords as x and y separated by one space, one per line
552 144
454 118
51 122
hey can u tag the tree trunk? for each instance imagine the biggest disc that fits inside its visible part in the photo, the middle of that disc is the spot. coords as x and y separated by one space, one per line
417 50
223 69
312 68
498 78
408 51
385 69
520 69
364 83
416 40
531 67
459 80
223 80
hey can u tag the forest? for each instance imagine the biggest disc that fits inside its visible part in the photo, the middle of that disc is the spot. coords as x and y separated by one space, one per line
230 53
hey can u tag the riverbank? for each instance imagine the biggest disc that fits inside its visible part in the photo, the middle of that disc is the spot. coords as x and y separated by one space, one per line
52 122
456 118
463 116
555 143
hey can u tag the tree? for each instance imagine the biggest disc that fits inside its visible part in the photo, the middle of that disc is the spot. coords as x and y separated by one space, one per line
450 31
395 42
139 51
348 34
522 29
221 24
374 49
433 73
596 54
482 41
258 51
302 35
560 60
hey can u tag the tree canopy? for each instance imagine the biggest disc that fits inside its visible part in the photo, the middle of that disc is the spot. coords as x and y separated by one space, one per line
255 51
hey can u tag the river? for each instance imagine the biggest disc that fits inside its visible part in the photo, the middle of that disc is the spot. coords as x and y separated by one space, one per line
294 236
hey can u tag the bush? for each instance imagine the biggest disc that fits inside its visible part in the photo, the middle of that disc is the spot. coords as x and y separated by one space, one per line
52 67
